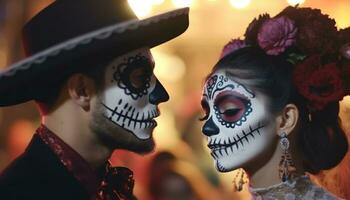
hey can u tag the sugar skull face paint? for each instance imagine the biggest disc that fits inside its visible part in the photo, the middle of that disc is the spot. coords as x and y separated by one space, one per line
133 93
237 124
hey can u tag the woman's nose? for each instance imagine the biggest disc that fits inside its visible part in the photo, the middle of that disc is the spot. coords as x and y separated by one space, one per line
210 128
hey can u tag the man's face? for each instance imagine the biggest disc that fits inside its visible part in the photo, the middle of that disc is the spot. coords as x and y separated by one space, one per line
238 126
127 106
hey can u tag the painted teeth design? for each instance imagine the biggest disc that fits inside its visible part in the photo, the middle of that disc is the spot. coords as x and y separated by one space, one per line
127 116
221 146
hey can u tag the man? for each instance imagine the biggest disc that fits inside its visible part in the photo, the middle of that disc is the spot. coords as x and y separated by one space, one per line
90 70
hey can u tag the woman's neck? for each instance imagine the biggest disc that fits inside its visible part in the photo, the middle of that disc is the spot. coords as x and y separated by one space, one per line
267 174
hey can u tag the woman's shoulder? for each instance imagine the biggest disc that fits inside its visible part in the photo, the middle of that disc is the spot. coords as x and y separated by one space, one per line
301 188
317 192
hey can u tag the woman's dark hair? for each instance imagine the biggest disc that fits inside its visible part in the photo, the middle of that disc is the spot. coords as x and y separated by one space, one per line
322 140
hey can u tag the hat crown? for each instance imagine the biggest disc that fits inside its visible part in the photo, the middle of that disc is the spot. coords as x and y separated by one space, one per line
66 19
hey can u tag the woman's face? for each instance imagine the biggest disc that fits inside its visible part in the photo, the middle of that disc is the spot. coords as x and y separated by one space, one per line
238 125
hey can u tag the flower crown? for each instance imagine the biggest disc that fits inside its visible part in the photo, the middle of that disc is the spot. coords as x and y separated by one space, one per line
311 42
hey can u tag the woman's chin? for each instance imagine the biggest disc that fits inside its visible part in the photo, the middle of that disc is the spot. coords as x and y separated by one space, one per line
225 167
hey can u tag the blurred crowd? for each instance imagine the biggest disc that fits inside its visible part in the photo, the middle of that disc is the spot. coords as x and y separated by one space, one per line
182 170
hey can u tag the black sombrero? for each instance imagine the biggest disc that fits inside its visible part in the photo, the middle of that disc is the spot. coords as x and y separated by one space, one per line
70 30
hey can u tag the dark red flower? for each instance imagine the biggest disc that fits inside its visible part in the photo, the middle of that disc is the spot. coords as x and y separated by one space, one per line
319 84
276 35
317 32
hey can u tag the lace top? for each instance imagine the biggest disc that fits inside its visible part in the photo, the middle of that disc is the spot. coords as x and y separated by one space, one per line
301 188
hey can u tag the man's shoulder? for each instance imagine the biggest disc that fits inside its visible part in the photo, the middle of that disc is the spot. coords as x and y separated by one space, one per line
24 168
38 174
17 177
20 168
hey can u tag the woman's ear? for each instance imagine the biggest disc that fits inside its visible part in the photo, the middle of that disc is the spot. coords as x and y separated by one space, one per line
287 120
80 89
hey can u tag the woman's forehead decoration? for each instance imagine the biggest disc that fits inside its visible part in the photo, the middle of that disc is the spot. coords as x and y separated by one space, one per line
220 82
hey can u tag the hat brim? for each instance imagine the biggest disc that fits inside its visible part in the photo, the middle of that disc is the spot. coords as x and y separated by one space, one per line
20 82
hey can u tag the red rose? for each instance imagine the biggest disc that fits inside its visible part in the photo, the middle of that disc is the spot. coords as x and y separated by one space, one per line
319 84
276 35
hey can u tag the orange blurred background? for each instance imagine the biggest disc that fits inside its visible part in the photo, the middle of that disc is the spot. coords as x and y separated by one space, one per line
181 65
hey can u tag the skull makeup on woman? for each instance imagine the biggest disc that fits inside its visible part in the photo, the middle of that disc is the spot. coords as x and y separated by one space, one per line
238 126
271 105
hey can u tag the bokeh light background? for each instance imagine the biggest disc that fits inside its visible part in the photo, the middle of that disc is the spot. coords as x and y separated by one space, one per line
181 65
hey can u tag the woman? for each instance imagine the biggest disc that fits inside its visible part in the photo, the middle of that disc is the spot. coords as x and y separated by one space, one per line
272 103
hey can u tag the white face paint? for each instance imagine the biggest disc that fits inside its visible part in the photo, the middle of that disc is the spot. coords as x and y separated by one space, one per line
131 87
238 126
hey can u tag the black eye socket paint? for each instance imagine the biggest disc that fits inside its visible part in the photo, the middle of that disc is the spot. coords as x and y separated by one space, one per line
134 75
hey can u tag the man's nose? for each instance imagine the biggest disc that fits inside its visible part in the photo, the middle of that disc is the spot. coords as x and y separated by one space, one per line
159 94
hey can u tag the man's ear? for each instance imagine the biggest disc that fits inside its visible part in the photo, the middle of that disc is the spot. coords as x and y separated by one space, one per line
81 88
287 120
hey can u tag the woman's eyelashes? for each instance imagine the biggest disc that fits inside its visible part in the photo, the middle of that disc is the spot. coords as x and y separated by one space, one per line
231 112
206 109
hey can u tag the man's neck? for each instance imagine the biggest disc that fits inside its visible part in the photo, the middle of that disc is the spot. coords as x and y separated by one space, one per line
79 137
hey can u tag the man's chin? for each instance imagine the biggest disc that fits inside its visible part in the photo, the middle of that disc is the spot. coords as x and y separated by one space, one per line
141 146
142 141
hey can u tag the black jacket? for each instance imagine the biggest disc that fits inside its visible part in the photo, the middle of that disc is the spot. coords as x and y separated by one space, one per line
38 174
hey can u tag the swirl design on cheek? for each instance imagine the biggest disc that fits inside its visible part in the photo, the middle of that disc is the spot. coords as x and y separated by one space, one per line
134 76
231 108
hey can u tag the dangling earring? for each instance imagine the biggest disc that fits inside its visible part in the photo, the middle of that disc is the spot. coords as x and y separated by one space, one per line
286 166
239 184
